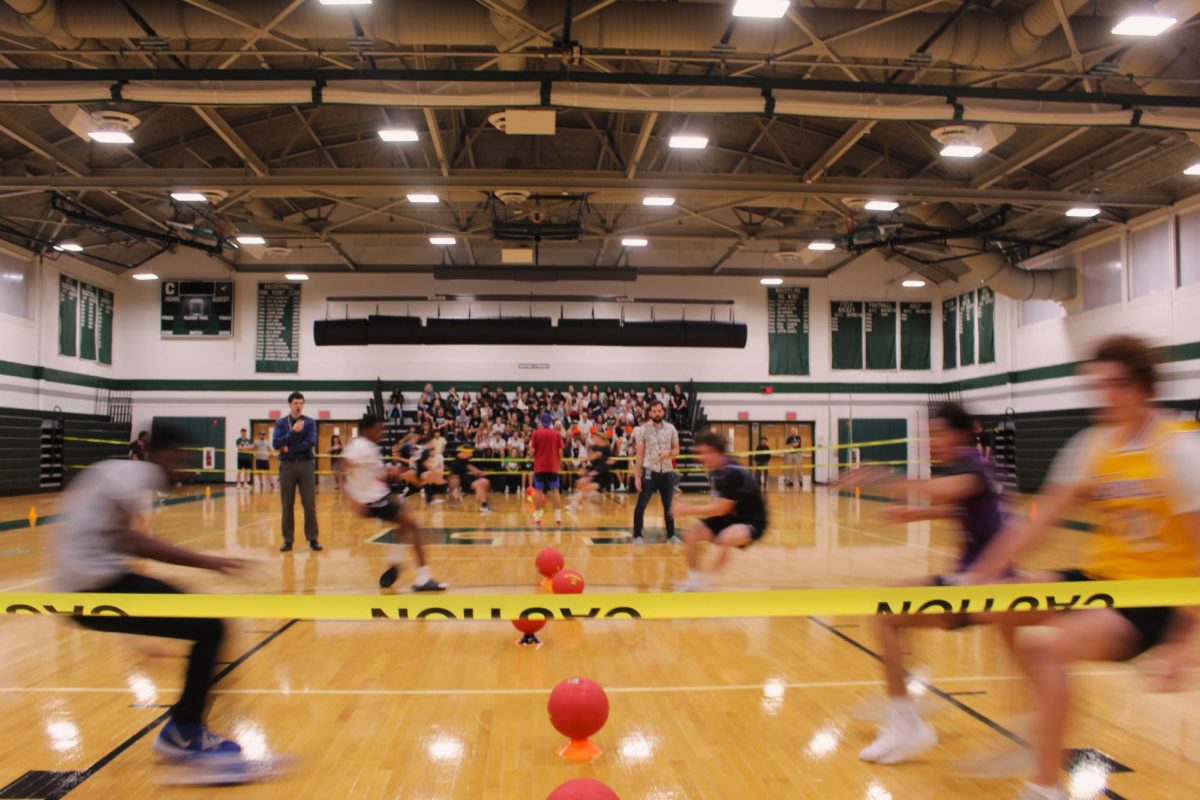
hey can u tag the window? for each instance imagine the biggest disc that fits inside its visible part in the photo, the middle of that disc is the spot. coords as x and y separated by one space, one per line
1101 270
1150 257
1189 248
1034 311
15 276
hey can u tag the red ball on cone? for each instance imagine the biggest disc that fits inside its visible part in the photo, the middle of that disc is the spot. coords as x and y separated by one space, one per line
583 789
567 581
529 626
549 561
578 709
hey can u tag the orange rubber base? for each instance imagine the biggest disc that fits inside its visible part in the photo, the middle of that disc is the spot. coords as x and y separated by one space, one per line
580 750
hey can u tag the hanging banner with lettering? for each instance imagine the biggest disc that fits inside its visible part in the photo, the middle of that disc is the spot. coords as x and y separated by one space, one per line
846 334
787 327
950 333
88 303
68 313
987 325
966 330
104 326
915 334
880 323
277 344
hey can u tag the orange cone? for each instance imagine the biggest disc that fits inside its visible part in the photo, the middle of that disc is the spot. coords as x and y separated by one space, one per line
1033 512
33 516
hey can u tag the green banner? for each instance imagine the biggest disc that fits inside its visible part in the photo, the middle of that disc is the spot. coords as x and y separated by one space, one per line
88 306
881 334
846 334
950 333
104 326
277 342
68 313
966 330
987 326
787 331
916 332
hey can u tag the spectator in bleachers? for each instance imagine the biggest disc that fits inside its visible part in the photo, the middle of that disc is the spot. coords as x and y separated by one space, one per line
138 447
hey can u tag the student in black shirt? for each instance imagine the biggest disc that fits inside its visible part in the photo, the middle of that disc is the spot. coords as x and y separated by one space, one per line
762 460
735 515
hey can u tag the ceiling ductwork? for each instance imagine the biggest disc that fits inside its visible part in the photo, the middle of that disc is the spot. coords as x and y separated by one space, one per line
979 37
992 267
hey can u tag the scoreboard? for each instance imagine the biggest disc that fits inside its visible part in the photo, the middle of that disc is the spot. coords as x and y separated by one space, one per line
197 308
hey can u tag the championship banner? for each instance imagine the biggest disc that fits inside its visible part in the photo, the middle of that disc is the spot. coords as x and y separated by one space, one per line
868 601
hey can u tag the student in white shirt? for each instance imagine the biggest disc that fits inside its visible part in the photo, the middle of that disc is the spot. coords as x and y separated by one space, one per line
367 487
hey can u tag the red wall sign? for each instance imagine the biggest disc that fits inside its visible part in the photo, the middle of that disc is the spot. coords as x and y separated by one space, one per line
743 415
791 415
323 415
274 413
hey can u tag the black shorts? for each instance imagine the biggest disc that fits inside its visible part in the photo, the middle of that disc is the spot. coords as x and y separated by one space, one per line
718 524
545 481
245 460
388 509
1151 624
262 466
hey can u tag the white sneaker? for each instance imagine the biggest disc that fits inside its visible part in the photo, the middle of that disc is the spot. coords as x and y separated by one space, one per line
698 583
486 510
674 540
1031 791
897 743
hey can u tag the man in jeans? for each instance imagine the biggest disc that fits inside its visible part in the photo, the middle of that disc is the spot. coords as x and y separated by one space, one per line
657 446
101 535
295 439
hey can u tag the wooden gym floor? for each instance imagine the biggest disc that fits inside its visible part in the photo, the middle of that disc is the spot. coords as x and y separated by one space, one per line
439 710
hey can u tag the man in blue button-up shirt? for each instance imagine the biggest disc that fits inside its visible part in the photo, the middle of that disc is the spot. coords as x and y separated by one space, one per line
294 440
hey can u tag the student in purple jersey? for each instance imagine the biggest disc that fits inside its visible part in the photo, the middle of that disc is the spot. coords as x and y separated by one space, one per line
963 487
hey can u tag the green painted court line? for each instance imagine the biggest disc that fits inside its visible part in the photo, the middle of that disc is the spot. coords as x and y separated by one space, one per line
49 519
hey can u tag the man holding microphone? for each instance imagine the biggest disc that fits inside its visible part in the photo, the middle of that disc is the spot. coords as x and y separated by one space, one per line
294 439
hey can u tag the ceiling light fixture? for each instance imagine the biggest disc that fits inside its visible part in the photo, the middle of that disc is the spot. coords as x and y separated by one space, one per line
961 141
251 240
1194 169
423 198
1143 25
771 281
688 142
68 247
1083 212
398 135
658 200
762 9
442 240
189 197
296 276
881 205
961 150
822 245
634 242
144 276
912 283
110 137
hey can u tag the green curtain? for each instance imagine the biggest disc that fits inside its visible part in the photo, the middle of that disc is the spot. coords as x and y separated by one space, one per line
987 326
846 333
916 331
787 331
966 334
950 333
68 302
881 334
874 430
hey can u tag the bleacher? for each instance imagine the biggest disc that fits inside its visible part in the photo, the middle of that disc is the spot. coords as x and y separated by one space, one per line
37 454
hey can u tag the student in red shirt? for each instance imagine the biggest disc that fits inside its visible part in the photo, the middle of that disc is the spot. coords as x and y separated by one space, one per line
546 446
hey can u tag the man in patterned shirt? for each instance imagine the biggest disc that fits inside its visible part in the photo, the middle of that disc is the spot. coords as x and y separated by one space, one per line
657 446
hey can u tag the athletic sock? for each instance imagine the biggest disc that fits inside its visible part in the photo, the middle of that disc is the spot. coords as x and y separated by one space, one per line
904 713
423 575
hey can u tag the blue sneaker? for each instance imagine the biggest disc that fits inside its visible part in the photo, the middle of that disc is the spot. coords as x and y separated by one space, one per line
176 742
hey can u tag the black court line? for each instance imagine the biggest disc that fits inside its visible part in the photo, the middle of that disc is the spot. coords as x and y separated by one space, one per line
112 755
948 697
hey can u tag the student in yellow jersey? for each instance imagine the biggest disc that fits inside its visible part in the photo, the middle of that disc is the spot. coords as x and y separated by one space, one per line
1138 471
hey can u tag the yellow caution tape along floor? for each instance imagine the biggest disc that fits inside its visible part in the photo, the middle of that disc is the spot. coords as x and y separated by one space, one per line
708 605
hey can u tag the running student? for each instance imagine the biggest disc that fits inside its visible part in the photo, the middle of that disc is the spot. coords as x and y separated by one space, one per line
99 538
735 515
546 447
462 471
1138 473
596 478
367 487
963 488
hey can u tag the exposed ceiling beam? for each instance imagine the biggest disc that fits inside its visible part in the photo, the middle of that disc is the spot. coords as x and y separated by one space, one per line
435 135
26 136
392 182
264 31
228 135
1042 146
838 149
517 46
639 149
261 30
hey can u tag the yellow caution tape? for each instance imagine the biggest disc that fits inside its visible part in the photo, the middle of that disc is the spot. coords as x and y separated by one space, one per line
716 605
